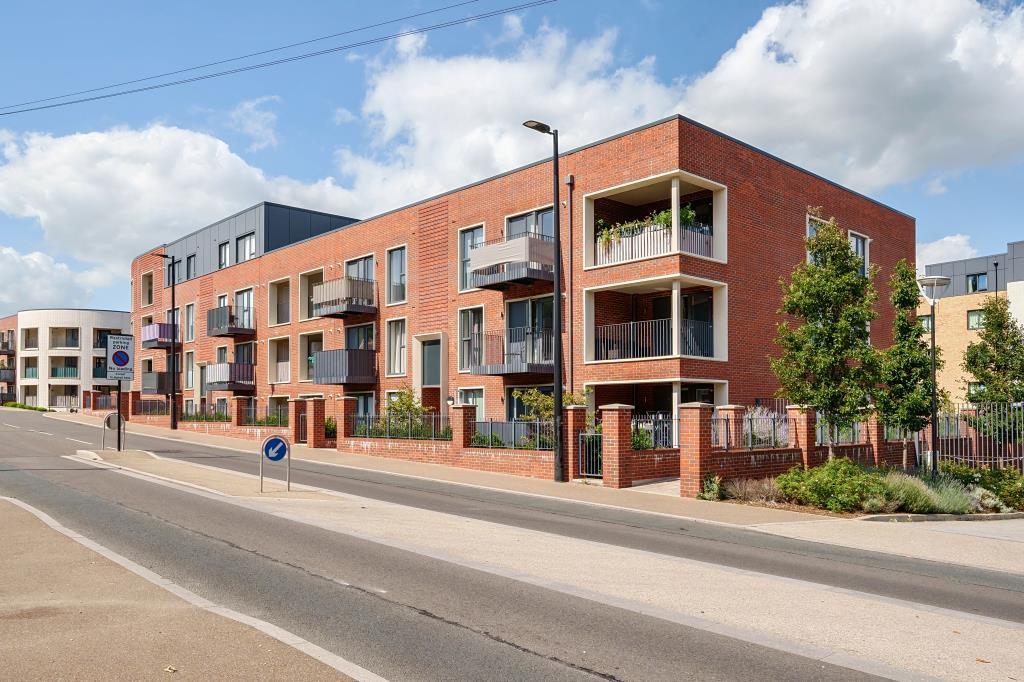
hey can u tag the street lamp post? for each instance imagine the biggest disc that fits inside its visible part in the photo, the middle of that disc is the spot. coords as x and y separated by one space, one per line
556 307
931 284
172 268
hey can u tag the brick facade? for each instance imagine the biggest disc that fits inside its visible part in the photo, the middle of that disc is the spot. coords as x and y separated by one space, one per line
767 200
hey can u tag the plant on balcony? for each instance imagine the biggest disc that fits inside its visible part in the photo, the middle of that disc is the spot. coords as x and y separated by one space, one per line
609 233
827 360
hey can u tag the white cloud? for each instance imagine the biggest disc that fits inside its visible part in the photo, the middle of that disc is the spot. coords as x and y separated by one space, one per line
950 247
35 280
249 118
105 197
874 92
343 115
935 187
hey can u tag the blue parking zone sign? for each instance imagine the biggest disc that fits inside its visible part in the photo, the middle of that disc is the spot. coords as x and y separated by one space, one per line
275 448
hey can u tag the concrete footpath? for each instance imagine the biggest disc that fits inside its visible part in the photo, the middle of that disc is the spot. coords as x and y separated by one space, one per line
68 613
995 545
791 615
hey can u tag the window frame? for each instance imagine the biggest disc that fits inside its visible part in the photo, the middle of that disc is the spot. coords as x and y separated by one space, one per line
190 266
372 257
373 331
143 303
303 362
388 372
223 255
852 235
189 369
387 274
975 277
482 407
463 287
239 240
980 318
458 353
190 322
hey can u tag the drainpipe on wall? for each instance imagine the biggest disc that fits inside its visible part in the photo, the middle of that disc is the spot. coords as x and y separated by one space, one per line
570 181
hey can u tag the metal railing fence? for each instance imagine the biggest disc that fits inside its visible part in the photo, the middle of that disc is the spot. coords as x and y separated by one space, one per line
402 427
640 339
519 435
269 415
654 432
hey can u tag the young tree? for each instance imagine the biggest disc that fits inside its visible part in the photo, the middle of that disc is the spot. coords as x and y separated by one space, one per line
827 361
904 399
996 359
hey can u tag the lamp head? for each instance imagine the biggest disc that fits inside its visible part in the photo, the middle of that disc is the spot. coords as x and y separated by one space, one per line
932 283
538 126
450 401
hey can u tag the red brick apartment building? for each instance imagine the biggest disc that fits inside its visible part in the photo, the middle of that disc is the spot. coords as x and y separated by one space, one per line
452 295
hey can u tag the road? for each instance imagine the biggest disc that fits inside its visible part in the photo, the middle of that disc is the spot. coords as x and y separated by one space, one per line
405 615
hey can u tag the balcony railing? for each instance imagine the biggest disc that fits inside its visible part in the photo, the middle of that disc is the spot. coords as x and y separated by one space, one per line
632 340
63 372
230 376
7 374
230 321
64 402
6 347
652 239
159 335
513 351
345 296
697 338
522 258
64 340
99 372
347 366
157 383
30 373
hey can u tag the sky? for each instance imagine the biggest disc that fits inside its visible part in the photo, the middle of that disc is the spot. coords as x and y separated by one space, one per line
916 103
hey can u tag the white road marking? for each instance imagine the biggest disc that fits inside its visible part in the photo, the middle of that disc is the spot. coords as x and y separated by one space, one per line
326 657
12 426
44 433
75 440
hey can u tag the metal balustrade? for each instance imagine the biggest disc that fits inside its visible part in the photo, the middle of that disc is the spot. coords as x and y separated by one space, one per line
652 240
230 321
520 258
343 296
632 340
159 335
696 338
63 372
654 431
228 376
345 366
517 435
512 351
402 427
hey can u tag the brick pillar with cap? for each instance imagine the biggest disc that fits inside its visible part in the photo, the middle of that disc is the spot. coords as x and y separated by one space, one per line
463 422
616 444
694 446
574 420
316 423
803 424
345 408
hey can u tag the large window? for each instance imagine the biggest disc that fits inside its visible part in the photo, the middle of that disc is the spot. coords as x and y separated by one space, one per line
471 322
360 268
364 403
244 353
859 244
359 337
473 396
147 289
190 368
243 308
222 354
926 322
223 256
975 319
431 359
977 282
515 409
190 322
190 267
396 347
245 247
535 223
467 240
396 275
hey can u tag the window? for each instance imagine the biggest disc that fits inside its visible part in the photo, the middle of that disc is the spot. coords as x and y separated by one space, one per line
223 251
926 322
471 323
309 346
190 407
515 409
975 319
244 353
307 284
190 368
473 396
467 240
396 347
222 354
974 388
243 308
245 247
360 336
364 403
172 270
174 317
190 267
360 268
977 282
147 289
147 365
190 322
535 223
813 223
222 300
396 275
859 244
431 361
222 406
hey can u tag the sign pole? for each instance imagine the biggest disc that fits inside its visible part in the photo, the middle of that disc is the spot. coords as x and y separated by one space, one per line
119 415
261 471
288 472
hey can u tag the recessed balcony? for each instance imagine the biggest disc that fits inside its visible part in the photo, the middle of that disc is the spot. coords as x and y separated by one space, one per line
523 258
159 335
7 374
519 350
157 383
229 321
7 348
345 366
345 296
231 376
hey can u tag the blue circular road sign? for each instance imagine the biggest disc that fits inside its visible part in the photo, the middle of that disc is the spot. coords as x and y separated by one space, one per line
275 448
120 358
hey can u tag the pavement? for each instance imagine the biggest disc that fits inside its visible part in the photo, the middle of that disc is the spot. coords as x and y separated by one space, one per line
68 613
419 578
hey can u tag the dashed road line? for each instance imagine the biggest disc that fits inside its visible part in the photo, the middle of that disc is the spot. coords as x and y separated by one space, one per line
75 440
12 426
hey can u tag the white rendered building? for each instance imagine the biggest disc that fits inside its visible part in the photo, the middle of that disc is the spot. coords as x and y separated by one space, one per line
60 353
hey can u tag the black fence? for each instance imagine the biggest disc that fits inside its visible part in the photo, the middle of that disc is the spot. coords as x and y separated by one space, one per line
653 432
270 415
405 427
518 435
205 413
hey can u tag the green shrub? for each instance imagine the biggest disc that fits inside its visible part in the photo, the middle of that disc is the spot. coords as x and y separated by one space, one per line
839 486
1007 484
642 439
909 494
330 428
759 490
711 488
23 406
479 440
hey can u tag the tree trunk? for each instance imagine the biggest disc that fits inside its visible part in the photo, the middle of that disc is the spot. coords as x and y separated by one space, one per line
828 437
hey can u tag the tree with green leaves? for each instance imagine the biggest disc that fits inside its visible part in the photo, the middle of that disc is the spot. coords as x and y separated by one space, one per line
827 360
904 396
996 359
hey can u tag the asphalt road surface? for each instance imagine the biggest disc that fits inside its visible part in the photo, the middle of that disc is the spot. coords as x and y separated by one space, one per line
406 616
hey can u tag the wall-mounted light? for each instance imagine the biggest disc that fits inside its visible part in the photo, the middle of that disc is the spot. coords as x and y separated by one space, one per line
450 401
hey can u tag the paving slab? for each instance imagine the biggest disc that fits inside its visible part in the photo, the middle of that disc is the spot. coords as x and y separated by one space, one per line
69 613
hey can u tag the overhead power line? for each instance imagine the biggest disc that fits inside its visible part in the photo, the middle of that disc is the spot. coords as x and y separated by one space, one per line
239 58
262 65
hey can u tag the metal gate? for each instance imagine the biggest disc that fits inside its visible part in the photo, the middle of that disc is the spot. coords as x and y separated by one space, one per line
300 435
590 455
